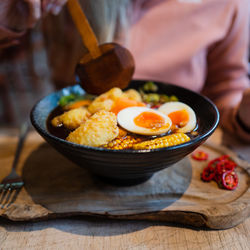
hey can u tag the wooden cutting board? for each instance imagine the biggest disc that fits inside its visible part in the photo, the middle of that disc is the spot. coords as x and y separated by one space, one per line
55 187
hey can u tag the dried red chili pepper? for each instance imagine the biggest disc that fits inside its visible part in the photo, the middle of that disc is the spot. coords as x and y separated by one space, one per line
200 156
208 174
214 162
225 165
230 180
217 178
224 157
221 170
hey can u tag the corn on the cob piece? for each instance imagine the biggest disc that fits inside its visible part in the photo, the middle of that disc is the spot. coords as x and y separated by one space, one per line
125 142
165 141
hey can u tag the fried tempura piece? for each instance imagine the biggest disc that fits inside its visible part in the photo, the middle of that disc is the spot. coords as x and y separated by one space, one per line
105 101
132 94
114 93
99 129
71 119
96 106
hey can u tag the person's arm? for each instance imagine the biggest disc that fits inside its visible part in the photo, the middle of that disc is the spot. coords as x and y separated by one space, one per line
8 37
16 16
227 72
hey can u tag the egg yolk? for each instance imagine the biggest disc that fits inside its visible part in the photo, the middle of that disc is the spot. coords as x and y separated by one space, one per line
122 103
179 118
149 120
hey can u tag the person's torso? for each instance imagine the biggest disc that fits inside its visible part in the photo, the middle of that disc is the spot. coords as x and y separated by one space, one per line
170 42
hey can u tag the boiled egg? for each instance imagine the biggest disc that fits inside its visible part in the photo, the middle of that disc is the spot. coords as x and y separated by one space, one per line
143 121
182 116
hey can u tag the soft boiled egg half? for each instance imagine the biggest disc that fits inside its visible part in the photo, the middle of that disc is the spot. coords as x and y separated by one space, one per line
182 116
144 121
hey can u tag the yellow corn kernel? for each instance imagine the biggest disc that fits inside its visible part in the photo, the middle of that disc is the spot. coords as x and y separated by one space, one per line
161 142
122 143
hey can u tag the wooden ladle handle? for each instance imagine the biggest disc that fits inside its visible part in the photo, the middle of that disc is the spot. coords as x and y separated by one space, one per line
88 37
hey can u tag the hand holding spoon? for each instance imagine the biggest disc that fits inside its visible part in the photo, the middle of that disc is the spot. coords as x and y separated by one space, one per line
104 66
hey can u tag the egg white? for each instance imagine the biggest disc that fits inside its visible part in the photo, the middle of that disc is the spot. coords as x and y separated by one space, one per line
125 119
170 107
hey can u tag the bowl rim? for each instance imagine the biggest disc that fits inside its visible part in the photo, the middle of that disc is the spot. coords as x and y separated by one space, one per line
194 141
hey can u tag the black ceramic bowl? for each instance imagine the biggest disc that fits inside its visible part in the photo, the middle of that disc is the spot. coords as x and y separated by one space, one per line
128 167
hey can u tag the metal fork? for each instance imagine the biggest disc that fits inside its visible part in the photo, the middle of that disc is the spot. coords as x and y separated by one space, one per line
13 182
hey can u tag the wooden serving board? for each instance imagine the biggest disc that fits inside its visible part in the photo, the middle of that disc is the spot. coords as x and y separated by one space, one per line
55 187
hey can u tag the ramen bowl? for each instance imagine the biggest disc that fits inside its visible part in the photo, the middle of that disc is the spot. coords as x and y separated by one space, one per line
128 167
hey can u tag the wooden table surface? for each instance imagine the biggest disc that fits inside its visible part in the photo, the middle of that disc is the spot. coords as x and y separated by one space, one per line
86 233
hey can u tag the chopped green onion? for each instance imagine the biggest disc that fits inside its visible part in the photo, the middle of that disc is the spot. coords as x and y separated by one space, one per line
150 87
67 99
64 100
151 98
164 98
173 98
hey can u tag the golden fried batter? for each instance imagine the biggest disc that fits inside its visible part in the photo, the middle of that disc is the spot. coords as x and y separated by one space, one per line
105 101
71 119
98 105
114 93
132 94
99 129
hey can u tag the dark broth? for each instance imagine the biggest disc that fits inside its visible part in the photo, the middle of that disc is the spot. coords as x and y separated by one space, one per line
60 132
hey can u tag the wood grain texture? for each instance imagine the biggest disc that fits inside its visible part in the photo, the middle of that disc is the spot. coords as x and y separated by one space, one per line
104 67
111 234
83 26
87 233
54 187
114 68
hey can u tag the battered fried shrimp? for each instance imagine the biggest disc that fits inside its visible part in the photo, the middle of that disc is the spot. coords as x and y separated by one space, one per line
71 119
96 106
105 101
114 93
99 129
132 94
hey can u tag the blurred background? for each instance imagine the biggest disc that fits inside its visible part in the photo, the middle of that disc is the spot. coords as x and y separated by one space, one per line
24 78
25 75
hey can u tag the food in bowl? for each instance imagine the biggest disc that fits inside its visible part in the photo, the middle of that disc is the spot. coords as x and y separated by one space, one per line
131 119
126 166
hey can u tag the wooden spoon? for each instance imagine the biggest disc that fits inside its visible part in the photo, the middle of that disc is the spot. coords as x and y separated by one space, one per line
104 66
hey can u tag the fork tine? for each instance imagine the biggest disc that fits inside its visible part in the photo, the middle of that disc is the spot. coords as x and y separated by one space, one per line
7 191
13 181
7 186
3 197
14 197
8 194
3 186
1 191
